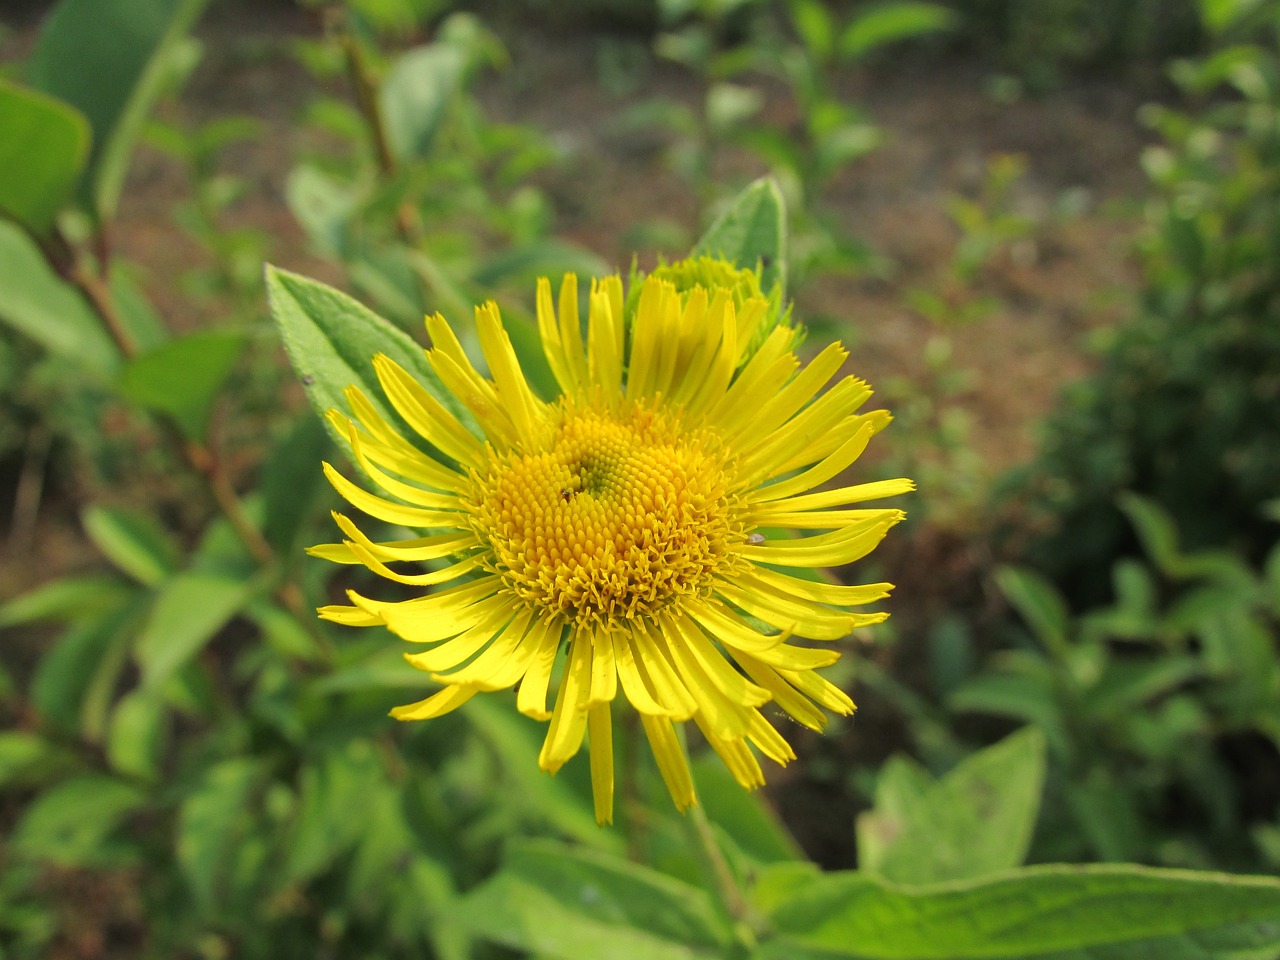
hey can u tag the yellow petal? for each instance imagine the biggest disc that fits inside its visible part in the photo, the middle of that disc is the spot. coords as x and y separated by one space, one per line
600 744
569 718
532 698
672 763
437 705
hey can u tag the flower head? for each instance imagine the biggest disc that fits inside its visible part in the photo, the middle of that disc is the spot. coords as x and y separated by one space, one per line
636 521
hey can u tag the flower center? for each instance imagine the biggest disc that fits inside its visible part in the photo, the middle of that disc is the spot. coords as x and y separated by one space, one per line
608 516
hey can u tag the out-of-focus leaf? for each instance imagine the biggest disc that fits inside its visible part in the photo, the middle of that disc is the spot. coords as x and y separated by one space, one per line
111 61
182 378
282 632
44 149
742 817
559 902
1027 695
1095 912
514 738
1040 605
66 600
40 305
71 824
752 230
331 341
813 22
137 735
323 206
292 481
543 258
1219 15
85 660
189 610
890 23
975 821
27 758
338 782
210 821
415 97
133 541
142 325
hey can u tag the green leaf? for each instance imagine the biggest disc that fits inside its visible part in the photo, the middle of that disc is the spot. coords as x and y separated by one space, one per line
813 23
210 823
524 264
514 738
752 230
292 481
67 600
26 758
559 902
337 783
1156 530
415 97
40 305
138 734
1040 605
891 23
44 149
323 207
181 378
111 61
189 610
71 824
133 541
742 817
331 340
1219 15
1096 912
70 683
975 821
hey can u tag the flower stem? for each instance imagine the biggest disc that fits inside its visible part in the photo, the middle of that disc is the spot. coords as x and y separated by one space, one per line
729 897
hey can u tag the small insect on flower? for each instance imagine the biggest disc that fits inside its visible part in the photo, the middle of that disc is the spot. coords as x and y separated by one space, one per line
613 528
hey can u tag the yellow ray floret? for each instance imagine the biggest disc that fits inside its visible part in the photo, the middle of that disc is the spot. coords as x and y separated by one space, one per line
628 529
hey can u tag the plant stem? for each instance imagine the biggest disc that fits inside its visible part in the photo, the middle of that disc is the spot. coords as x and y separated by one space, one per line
724 884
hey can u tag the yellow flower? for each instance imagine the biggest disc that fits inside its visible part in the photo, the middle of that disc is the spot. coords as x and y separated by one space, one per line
634 521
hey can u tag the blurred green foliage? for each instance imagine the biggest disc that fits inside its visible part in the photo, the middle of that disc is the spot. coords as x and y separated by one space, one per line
1185 404
185 744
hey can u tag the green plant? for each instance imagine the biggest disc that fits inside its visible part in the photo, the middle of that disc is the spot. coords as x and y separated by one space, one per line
1137 698
1185 404
735 48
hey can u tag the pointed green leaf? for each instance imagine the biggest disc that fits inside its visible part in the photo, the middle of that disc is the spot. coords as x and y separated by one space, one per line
42 306
891 23
555 901
71 825
189 610
210 822
975 821
182 377
1096 912
67 600
752 230
111 61
331 341
415 97
44 148
1040 605
138 734
133 541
